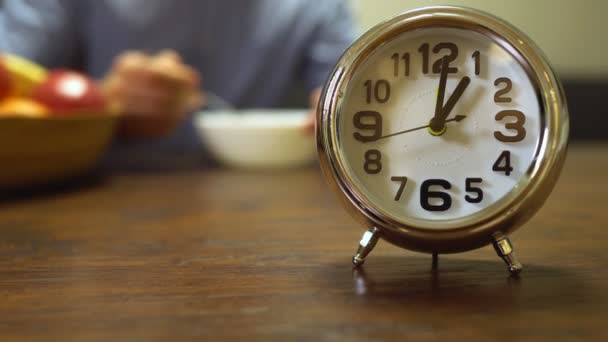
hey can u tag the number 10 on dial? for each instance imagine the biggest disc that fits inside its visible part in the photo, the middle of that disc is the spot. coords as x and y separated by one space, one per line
441 133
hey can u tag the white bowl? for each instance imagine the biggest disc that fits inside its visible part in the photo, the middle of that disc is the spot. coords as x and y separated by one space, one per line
257 138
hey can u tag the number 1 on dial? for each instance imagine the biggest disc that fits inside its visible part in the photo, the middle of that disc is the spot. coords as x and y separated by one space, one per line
477 59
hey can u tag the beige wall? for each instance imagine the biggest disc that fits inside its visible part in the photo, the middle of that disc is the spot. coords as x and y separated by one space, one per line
572 33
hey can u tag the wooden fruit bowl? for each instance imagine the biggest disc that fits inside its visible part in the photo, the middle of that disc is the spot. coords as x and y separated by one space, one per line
46 149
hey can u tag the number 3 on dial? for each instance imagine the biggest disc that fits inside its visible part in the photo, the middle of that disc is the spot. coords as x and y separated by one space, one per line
520 119
517 126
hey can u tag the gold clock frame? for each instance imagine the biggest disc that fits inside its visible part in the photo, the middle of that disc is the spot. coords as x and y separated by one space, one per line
490 225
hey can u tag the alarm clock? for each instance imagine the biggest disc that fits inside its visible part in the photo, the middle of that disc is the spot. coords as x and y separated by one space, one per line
442 130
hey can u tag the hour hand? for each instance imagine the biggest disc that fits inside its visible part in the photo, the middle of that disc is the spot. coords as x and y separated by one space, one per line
437 123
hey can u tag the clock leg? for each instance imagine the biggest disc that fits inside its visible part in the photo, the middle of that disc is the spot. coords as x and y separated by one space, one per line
435 262
367 243
504 249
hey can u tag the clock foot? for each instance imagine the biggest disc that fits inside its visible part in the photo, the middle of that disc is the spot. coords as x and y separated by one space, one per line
367 243
435 262
504 249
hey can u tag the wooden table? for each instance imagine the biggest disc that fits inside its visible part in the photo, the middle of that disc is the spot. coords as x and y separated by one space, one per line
209 254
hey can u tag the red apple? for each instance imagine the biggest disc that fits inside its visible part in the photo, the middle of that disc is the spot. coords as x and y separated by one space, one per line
69 92
5 81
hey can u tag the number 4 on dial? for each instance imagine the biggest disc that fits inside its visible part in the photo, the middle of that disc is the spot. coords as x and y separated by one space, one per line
503 163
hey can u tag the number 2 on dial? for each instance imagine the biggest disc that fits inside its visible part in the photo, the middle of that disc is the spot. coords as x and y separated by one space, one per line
517 125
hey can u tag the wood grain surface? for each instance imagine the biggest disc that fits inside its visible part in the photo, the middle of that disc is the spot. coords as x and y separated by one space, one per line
212 254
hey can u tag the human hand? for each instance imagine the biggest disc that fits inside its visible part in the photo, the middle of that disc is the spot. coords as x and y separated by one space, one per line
314 98
153 92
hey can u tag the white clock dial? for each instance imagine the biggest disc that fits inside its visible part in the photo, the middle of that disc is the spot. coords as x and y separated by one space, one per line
491 135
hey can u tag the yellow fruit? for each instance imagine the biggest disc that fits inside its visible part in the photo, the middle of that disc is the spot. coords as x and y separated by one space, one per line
25 75
19 106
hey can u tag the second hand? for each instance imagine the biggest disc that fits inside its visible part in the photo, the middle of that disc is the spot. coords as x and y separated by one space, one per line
457 118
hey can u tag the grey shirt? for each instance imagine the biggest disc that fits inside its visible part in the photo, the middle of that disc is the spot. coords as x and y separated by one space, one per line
248 51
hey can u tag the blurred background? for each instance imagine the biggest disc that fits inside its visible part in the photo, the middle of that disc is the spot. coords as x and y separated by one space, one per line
572 34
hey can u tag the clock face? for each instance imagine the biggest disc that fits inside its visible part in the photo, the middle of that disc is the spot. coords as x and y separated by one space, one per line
439 124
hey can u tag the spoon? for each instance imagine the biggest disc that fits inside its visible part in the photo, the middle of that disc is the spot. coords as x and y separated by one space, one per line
215 101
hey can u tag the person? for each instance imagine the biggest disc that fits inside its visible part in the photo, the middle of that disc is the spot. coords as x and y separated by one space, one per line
157 58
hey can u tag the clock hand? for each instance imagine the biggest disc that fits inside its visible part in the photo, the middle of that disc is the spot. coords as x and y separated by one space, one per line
436 128
437 123
457 118
443 78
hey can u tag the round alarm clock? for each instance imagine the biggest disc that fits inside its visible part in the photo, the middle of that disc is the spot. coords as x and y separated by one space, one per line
442 130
